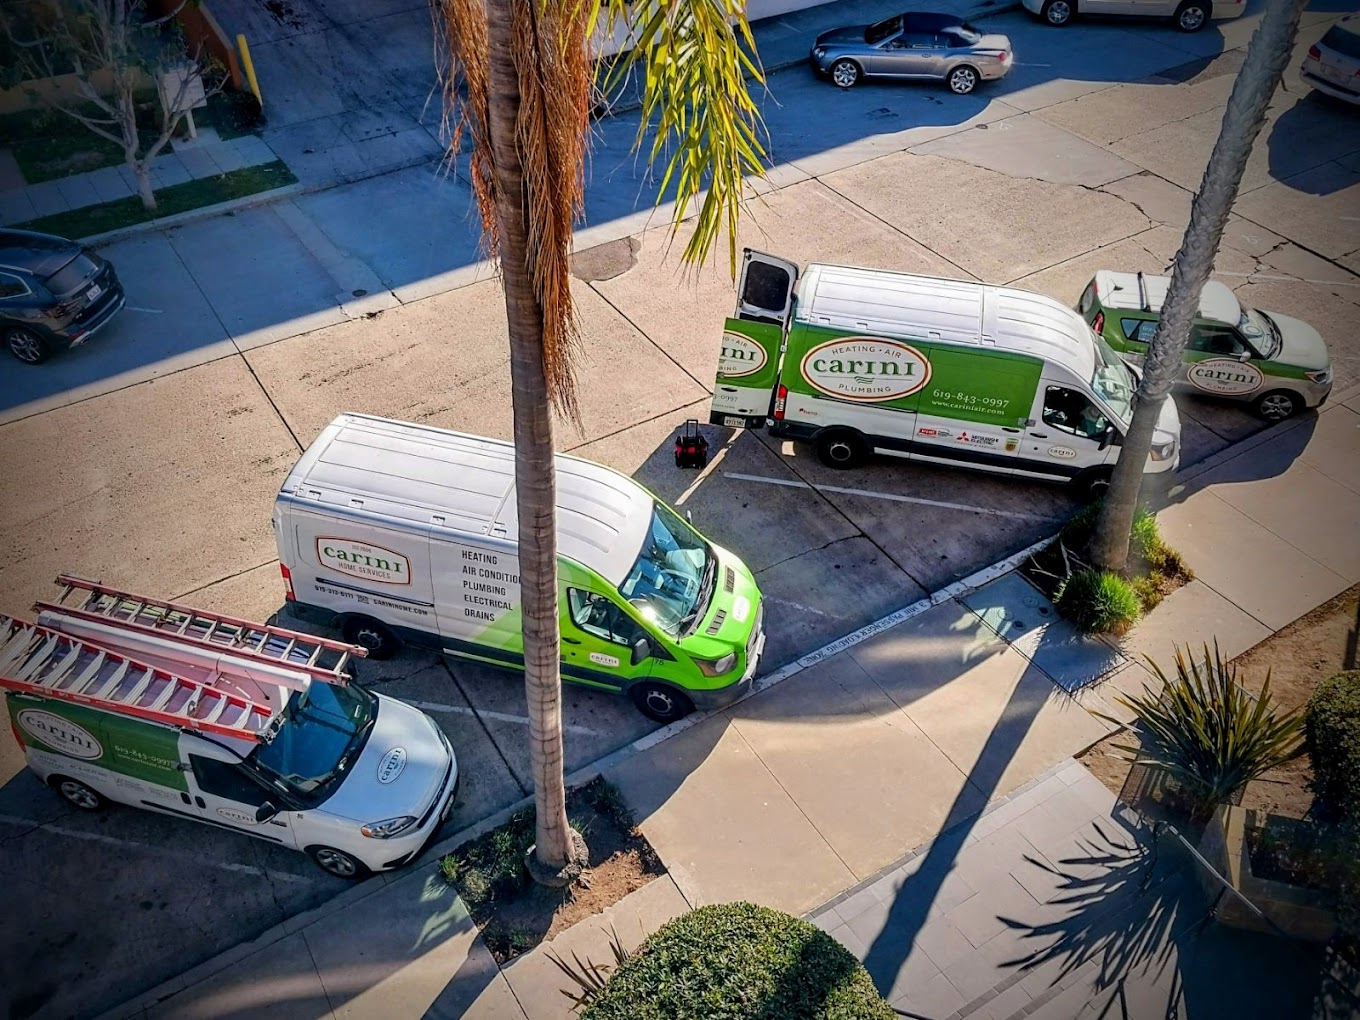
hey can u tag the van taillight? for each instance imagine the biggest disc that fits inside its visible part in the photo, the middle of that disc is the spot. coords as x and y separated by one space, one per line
287 583
781 397
1314 52
1099 323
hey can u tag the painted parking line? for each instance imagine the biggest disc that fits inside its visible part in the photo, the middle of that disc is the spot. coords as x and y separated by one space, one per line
96 837
430 706
988 511
1288 279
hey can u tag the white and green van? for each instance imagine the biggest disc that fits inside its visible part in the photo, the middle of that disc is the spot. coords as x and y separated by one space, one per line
1277 364
861 361
400 532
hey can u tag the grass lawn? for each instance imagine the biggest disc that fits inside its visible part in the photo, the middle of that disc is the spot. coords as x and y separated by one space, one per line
49 144
96 219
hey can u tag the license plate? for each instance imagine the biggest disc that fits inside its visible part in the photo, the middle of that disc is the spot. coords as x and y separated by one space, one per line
733 421
95 291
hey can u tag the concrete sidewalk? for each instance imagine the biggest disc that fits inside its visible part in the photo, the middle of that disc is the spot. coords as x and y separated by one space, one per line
911 786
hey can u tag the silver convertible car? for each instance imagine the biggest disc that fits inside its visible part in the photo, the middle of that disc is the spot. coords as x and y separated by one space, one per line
938 46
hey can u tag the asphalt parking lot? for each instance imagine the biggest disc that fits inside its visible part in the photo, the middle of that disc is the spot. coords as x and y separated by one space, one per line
151 458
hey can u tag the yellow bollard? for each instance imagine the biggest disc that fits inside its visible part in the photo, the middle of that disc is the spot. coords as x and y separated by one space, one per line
250 68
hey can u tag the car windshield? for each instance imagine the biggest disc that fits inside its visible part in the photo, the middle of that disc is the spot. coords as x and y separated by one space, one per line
1112 380
877 33
1259 331
673 576
1344 41
316 737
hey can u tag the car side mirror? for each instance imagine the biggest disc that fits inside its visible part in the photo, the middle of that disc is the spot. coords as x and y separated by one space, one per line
265 812
642 650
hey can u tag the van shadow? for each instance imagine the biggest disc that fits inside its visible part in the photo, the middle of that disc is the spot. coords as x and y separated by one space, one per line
1317 123
1130 920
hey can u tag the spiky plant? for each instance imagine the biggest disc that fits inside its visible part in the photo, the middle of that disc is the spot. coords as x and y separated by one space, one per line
519 88
1207 733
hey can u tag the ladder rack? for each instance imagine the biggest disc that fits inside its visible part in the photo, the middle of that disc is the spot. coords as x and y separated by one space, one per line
317 657
47 663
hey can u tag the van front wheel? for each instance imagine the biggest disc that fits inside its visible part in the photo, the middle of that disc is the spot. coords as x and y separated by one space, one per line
1093 484
337 862
841 448
659 702
1277 405
369 633
77 794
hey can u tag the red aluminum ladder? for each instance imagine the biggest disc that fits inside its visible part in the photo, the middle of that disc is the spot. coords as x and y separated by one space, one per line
317 657
44 662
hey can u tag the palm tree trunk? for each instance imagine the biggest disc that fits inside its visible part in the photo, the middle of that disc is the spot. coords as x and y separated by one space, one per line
535 485
1267 55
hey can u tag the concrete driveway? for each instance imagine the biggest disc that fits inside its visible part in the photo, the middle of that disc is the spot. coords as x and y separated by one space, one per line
151 457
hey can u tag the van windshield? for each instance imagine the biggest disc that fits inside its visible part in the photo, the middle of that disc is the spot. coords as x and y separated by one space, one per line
673 576
315 739
1112 380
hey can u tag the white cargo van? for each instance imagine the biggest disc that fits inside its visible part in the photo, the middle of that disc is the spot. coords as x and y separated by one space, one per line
400 532
861 361
239 725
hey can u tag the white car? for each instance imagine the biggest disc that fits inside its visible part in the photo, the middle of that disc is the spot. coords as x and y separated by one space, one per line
1333 62
1187 15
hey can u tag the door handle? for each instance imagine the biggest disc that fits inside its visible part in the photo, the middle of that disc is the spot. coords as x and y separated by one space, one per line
1007 428
570 640
200 802
1039 435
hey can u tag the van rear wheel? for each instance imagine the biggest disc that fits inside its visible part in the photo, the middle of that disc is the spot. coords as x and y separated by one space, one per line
337 862
841 448
77 794
369 633
659 702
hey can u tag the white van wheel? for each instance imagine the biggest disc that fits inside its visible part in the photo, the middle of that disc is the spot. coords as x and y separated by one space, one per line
661 703
369 633
1277 405
1192 16
1057 12
841 448
77 794
1093 484
337 862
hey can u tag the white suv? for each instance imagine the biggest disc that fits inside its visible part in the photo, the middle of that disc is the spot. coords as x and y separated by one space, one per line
1187 15
1333 62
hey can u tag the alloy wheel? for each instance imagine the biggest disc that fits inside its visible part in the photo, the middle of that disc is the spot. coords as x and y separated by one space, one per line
1191 19
1276 406
962 81
79 794
338 863
1059 12
25 345
845 74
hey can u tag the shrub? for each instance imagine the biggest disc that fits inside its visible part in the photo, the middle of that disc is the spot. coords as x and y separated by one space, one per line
1333 728
739 961
1098 602
1208 733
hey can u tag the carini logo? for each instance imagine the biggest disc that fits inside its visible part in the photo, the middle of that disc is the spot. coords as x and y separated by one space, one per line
391 765
865 369
60 734
359 559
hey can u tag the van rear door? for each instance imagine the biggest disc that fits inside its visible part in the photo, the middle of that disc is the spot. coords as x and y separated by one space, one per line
748 361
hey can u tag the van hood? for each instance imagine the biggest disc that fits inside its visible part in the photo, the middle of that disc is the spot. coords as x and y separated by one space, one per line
1300 344
400 771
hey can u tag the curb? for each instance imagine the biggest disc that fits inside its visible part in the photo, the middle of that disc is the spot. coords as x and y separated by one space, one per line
428 860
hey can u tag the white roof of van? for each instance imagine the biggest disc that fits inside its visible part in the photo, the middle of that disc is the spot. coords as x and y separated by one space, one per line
1145 292
927 308
411 473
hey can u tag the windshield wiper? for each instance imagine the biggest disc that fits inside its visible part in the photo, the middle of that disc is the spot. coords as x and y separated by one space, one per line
705 590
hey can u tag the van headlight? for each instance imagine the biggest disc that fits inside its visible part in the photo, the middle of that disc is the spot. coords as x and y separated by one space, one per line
1163 450
717 667
388 827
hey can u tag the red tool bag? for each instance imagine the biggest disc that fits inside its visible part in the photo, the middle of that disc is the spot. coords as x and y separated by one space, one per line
691 448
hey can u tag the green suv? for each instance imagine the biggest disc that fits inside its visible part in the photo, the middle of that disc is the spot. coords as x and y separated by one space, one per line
1277 364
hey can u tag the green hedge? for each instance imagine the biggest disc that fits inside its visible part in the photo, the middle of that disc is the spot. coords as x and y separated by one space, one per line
738 961
1333 728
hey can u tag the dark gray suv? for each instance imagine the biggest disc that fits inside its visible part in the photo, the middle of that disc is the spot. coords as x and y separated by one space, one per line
54 293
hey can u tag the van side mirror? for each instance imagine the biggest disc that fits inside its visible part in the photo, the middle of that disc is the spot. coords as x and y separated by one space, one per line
642 650
265 812
1107 437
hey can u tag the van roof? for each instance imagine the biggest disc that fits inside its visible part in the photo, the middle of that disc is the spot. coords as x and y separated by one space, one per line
1147 293
414 474
929 308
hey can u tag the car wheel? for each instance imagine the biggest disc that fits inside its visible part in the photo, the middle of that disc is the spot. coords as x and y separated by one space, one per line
841 448
1057 12
659 702
845 73
1093 484
962 80
1277 405
337 862
1192 16
26 345
369 633
77 794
